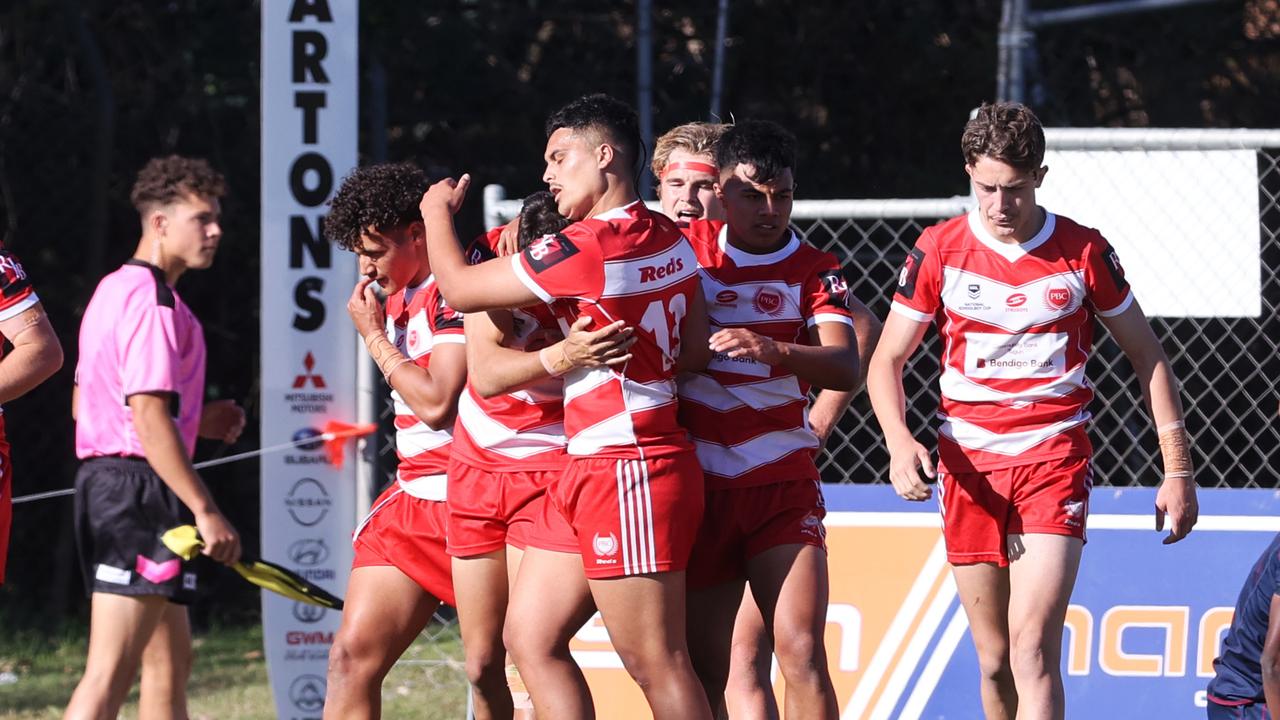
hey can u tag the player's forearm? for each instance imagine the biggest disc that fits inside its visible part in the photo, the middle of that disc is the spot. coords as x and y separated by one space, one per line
29 363
447 263
866 330
889 400
826 411
831 368
497 370
167 454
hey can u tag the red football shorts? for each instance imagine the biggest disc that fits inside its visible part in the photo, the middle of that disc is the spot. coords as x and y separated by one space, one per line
407 533
980 510
626 517
490 510
6 504
740 523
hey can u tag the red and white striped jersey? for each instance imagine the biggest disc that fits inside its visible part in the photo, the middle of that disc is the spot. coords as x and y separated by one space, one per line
417 321
628 264
1017 327
521 430
749 420
16 297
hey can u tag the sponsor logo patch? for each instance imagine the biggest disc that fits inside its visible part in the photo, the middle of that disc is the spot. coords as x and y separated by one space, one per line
1015 300
306 692
768 302
113 575
549 250
1057 298
726 297
605 545
910 271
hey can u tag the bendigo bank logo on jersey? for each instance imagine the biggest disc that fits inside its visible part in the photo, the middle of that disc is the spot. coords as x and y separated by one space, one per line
549 250
650 273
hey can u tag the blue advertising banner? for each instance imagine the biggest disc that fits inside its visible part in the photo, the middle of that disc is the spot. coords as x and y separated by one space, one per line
1143 627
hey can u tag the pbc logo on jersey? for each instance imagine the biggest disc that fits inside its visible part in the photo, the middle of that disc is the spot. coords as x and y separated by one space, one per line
1057 298
649 273
838 288
768 302
910 271
549 250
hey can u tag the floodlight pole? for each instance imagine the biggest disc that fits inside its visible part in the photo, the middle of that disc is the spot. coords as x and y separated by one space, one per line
1018 25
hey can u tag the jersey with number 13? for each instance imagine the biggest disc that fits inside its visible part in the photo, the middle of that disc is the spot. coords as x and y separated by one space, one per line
627 264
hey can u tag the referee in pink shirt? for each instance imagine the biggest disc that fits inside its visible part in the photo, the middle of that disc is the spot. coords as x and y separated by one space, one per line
139 406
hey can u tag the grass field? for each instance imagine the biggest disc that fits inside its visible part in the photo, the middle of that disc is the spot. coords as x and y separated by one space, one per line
37 675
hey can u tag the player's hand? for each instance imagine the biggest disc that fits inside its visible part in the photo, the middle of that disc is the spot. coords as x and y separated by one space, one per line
905 463
509 240
607 346
222 420
221 541
1177 498
741 342
365 310
448 193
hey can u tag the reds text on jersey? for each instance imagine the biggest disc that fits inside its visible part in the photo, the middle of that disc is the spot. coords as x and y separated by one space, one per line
627 264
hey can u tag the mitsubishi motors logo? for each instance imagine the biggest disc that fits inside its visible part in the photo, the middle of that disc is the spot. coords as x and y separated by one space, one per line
310 376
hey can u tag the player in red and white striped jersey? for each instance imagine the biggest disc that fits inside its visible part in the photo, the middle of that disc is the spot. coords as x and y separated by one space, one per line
1014 290
400 573
779 311
631 496
36 355
509 444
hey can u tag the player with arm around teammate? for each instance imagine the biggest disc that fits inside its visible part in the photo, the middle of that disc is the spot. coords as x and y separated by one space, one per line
509 444
1014 290
139 406
630 498
1246 681
781 322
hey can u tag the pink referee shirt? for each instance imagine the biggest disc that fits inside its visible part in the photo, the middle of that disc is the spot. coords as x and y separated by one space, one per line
136 336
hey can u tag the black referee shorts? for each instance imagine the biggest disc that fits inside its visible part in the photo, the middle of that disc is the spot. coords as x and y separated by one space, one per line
122 508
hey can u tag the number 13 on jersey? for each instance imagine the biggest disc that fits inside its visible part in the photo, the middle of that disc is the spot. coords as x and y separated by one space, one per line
664 324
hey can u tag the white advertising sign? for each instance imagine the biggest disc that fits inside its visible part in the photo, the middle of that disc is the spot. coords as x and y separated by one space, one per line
309 125
1184 223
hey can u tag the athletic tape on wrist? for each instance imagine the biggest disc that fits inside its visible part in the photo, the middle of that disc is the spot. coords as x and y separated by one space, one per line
1175 449
548 365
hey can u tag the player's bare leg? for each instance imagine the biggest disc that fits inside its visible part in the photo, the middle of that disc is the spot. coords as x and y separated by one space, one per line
791 586
519 693
710 630
385 611
119 628
1042 572
550 601
645 616
984 593
749 692
480 586
166 667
